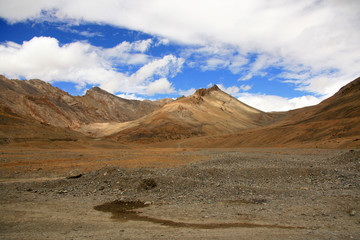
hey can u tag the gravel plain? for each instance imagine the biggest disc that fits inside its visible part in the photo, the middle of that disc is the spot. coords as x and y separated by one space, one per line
228 194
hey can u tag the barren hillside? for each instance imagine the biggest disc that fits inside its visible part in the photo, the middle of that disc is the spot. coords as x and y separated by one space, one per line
43 102
335 122
208 118
207 112
15 128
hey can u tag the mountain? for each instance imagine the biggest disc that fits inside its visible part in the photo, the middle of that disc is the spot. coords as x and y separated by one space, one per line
50 105
15 128
207 112
333 123
209 118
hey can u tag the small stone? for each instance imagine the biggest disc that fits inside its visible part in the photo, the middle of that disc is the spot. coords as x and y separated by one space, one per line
352 212
101 188
74 174
147 203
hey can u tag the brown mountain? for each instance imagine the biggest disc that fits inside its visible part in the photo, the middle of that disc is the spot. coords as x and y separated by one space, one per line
50 105
209 118
335 122
15 128
207 112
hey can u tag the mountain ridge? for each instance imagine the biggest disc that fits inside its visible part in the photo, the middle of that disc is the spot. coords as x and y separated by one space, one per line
208 118
333 123
51 105
207 112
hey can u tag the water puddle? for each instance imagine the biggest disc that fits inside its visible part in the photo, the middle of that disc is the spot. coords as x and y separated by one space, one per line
126 211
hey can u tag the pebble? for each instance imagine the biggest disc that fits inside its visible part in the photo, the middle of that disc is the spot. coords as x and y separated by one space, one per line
352 212
74 174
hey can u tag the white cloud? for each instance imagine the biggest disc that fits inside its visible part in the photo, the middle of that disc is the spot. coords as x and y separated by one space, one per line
234 90
161 85
313 37
246 77
21 10
237 63
169 65
276 103
214 64
268 103
163 41
326 85
245 87
42 57
82 63
129 53
214 57
130 96
188 92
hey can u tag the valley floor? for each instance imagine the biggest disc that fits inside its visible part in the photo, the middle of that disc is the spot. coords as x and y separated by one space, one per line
152 193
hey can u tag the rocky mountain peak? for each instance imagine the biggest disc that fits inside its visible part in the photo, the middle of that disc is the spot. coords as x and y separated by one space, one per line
204 91
97 90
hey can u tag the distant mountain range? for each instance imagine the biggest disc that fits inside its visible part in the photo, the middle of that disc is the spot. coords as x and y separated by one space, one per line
33 109
43 102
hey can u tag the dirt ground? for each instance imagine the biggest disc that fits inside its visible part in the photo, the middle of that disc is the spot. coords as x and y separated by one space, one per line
153 193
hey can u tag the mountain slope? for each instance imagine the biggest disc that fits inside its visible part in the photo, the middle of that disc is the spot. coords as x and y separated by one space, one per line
207 112
15 128
43 102
335 122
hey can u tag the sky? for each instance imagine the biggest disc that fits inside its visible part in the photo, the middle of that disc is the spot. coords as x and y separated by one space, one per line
274 55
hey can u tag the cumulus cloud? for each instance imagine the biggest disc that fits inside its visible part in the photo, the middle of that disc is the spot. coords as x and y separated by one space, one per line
128 53
169 65
161 85
82 63
268 103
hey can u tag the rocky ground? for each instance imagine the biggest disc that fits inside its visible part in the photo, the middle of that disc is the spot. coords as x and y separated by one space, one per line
229 194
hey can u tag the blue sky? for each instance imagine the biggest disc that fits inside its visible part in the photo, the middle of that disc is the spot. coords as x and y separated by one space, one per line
274 55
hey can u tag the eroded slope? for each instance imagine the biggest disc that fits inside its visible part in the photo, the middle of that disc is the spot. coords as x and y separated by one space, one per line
45 103
207 112
335 122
